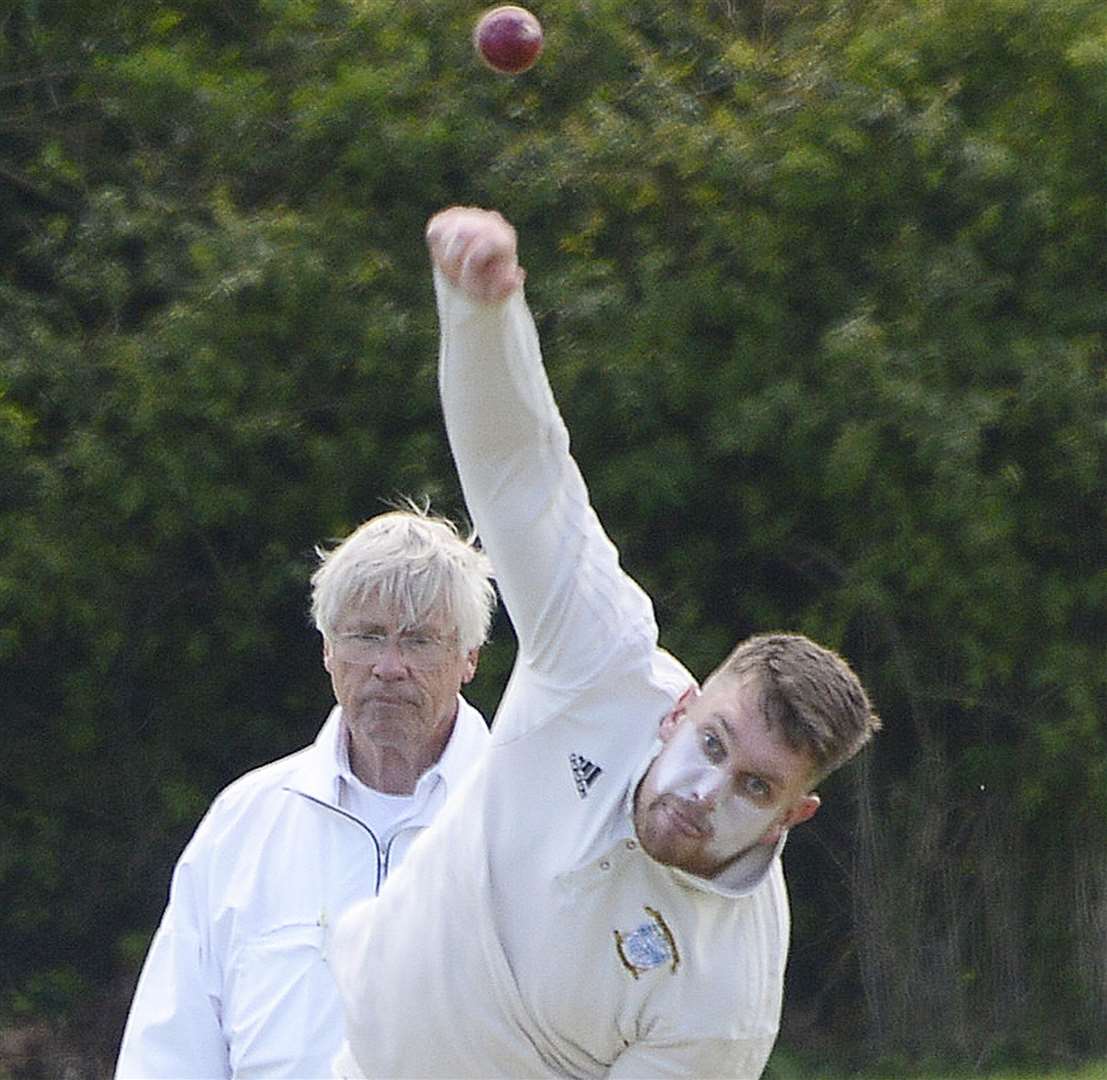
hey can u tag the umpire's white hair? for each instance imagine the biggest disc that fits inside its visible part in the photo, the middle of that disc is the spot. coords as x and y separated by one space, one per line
417 565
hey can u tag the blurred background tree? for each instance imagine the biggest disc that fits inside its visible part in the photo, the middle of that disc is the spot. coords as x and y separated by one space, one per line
822 290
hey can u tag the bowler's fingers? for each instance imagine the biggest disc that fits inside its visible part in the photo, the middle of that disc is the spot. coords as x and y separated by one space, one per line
476 250
489 270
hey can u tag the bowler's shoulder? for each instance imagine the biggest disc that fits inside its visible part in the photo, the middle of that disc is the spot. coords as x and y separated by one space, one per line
736 963
669 675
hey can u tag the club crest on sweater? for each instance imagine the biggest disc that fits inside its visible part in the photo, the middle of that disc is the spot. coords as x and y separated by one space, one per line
648 945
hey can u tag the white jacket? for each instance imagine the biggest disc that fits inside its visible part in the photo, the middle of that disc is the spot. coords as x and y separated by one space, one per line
236 983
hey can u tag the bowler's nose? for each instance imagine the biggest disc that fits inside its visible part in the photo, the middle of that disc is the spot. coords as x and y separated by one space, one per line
708 790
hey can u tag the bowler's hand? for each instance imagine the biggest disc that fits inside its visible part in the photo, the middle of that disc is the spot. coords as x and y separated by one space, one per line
476 250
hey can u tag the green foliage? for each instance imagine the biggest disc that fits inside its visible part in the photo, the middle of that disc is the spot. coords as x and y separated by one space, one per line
821 288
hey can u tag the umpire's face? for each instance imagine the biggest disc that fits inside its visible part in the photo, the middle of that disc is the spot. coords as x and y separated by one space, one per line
723 783
397 683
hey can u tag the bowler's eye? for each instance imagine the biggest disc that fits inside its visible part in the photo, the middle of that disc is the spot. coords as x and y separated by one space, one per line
757 789
713 747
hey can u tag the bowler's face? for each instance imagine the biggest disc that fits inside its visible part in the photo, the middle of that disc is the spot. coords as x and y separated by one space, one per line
723 782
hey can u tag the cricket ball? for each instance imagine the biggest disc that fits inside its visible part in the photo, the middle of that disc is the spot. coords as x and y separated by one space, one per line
508 39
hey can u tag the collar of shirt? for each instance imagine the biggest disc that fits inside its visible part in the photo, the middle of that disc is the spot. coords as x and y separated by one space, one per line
320 773
352 782
383 814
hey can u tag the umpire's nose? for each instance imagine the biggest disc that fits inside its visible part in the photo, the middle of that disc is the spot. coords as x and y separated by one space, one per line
391 664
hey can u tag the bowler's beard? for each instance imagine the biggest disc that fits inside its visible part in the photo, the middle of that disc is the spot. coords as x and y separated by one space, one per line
694 817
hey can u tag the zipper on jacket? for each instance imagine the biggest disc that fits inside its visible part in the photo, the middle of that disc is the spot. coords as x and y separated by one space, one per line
382 863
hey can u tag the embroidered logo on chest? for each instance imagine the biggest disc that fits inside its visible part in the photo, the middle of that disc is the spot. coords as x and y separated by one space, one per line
647 946
585 773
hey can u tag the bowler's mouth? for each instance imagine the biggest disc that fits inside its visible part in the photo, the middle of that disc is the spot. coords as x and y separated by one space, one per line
685 818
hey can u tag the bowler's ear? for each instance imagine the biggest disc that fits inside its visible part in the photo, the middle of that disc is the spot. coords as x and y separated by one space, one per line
327 653
803 810
471 661
671 720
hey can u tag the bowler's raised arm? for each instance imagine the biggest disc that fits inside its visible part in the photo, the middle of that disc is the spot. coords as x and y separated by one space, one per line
570 603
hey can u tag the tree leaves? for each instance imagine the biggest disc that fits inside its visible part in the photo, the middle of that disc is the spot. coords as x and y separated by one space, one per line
821 288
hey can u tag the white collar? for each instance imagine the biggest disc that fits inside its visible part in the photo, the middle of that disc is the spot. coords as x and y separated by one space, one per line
324 763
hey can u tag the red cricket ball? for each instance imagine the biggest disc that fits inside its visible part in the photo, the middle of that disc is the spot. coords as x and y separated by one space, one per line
508 39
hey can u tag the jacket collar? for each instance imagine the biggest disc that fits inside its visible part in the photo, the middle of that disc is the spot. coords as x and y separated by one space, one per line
319 770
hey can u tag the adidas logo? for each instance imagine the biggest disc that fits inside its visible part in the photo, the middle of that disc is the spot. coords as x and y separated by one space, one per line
584 773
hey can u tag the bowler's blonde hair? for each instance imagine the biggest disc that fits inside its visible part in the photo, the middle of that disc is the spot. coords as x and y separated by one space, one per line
809 694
